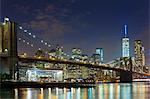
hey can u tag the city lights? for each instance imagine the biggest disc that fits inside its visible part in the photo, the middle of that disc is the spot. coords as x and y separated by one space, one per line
74 49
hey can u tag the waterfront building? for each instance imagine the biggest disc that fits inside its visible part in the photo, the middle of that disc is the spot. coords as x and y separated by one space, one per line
100 52
139 53
35 74
125 44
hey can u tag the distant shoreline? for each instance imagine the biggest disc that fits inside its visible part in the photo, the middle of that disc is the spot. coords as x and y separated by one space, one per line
10 84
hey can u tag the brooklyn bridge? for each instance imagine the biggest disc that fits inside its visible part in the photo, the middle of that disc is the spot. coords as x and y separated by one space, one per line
59 66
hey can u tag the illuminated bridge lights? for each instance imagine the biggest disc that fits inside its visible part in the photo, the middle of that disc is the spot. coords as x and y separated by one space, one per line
34 36
25 31
24 41
30 33
42 41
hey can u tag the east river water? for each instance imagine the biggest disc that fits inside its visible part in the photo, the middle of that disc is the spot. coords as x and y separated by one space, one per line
136 90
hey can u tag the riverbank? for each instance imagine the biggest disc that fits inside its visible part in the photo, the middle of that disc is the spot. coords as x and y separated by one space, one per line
9 84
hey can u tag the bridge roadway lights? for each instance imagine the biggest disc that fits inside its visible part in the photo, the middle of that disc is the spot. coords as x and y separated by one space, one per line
125 76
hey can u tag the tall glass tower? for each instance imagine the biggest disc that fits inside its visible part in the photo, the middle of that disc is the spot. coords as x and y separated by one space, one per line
125 43
100 52
139 53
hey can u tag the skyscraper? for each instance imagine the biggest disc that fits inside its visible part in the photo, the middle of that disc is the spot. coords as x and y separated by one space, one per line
100 52
76 53
1 30
139 52
125 43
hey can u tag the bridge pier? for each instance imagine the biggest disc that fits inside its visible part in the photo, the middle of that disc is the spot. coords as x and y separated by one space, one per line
125 76
8 47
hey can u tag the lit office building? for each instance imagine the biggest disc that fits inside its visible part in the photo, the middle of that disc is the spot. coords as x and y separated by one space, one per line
52 53
84 57
59 51
143 56
56 53
76 54
125 44
139 53
1 30
95 59
100 52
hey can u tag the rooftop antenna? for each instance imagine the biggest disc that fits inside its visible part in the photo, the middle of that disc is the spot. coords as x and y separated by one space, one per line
125 30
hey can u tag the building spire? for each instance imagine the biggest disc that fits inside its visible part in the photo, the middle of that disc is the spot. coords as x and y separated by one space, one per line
125 30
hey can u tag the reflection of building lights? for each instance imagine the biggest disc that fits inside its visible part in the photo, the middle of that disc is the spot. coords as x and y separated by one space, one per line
65 91
111 91
16 93
41 91
90 95
101 92
78 93
49 93
117 91
72 90
29 93
57 92
86 94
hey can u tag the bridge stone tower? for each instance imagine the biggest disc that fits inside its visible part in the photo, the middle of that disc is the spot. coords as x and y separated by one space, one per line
126 76
8 47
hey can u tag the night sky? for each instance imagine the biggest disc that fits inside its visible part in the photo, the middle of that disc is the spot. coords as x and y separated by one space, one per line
86 24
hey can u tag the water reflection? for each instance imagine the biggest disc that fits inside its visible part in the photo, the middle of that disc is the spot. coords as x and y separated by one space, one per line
102 91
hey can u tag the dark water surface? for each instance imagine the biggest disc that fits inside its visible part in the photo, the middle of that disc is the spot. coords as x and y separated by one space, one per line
136 90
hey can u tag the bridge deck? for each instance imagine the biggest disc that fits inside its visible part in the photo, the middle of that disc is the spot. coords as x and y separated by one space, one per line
105 67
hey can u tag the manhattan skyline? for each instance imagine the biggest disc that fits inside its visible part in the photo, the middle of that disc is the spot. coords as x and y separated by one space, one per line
84 24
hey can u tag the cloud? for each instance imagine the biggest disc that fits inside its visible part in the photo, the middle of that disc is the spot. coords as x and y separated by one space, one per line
21 9
49 21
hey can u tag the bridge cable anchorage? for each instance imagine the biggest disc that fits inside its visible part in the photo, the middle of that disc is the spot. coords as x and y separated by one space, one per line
34 36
